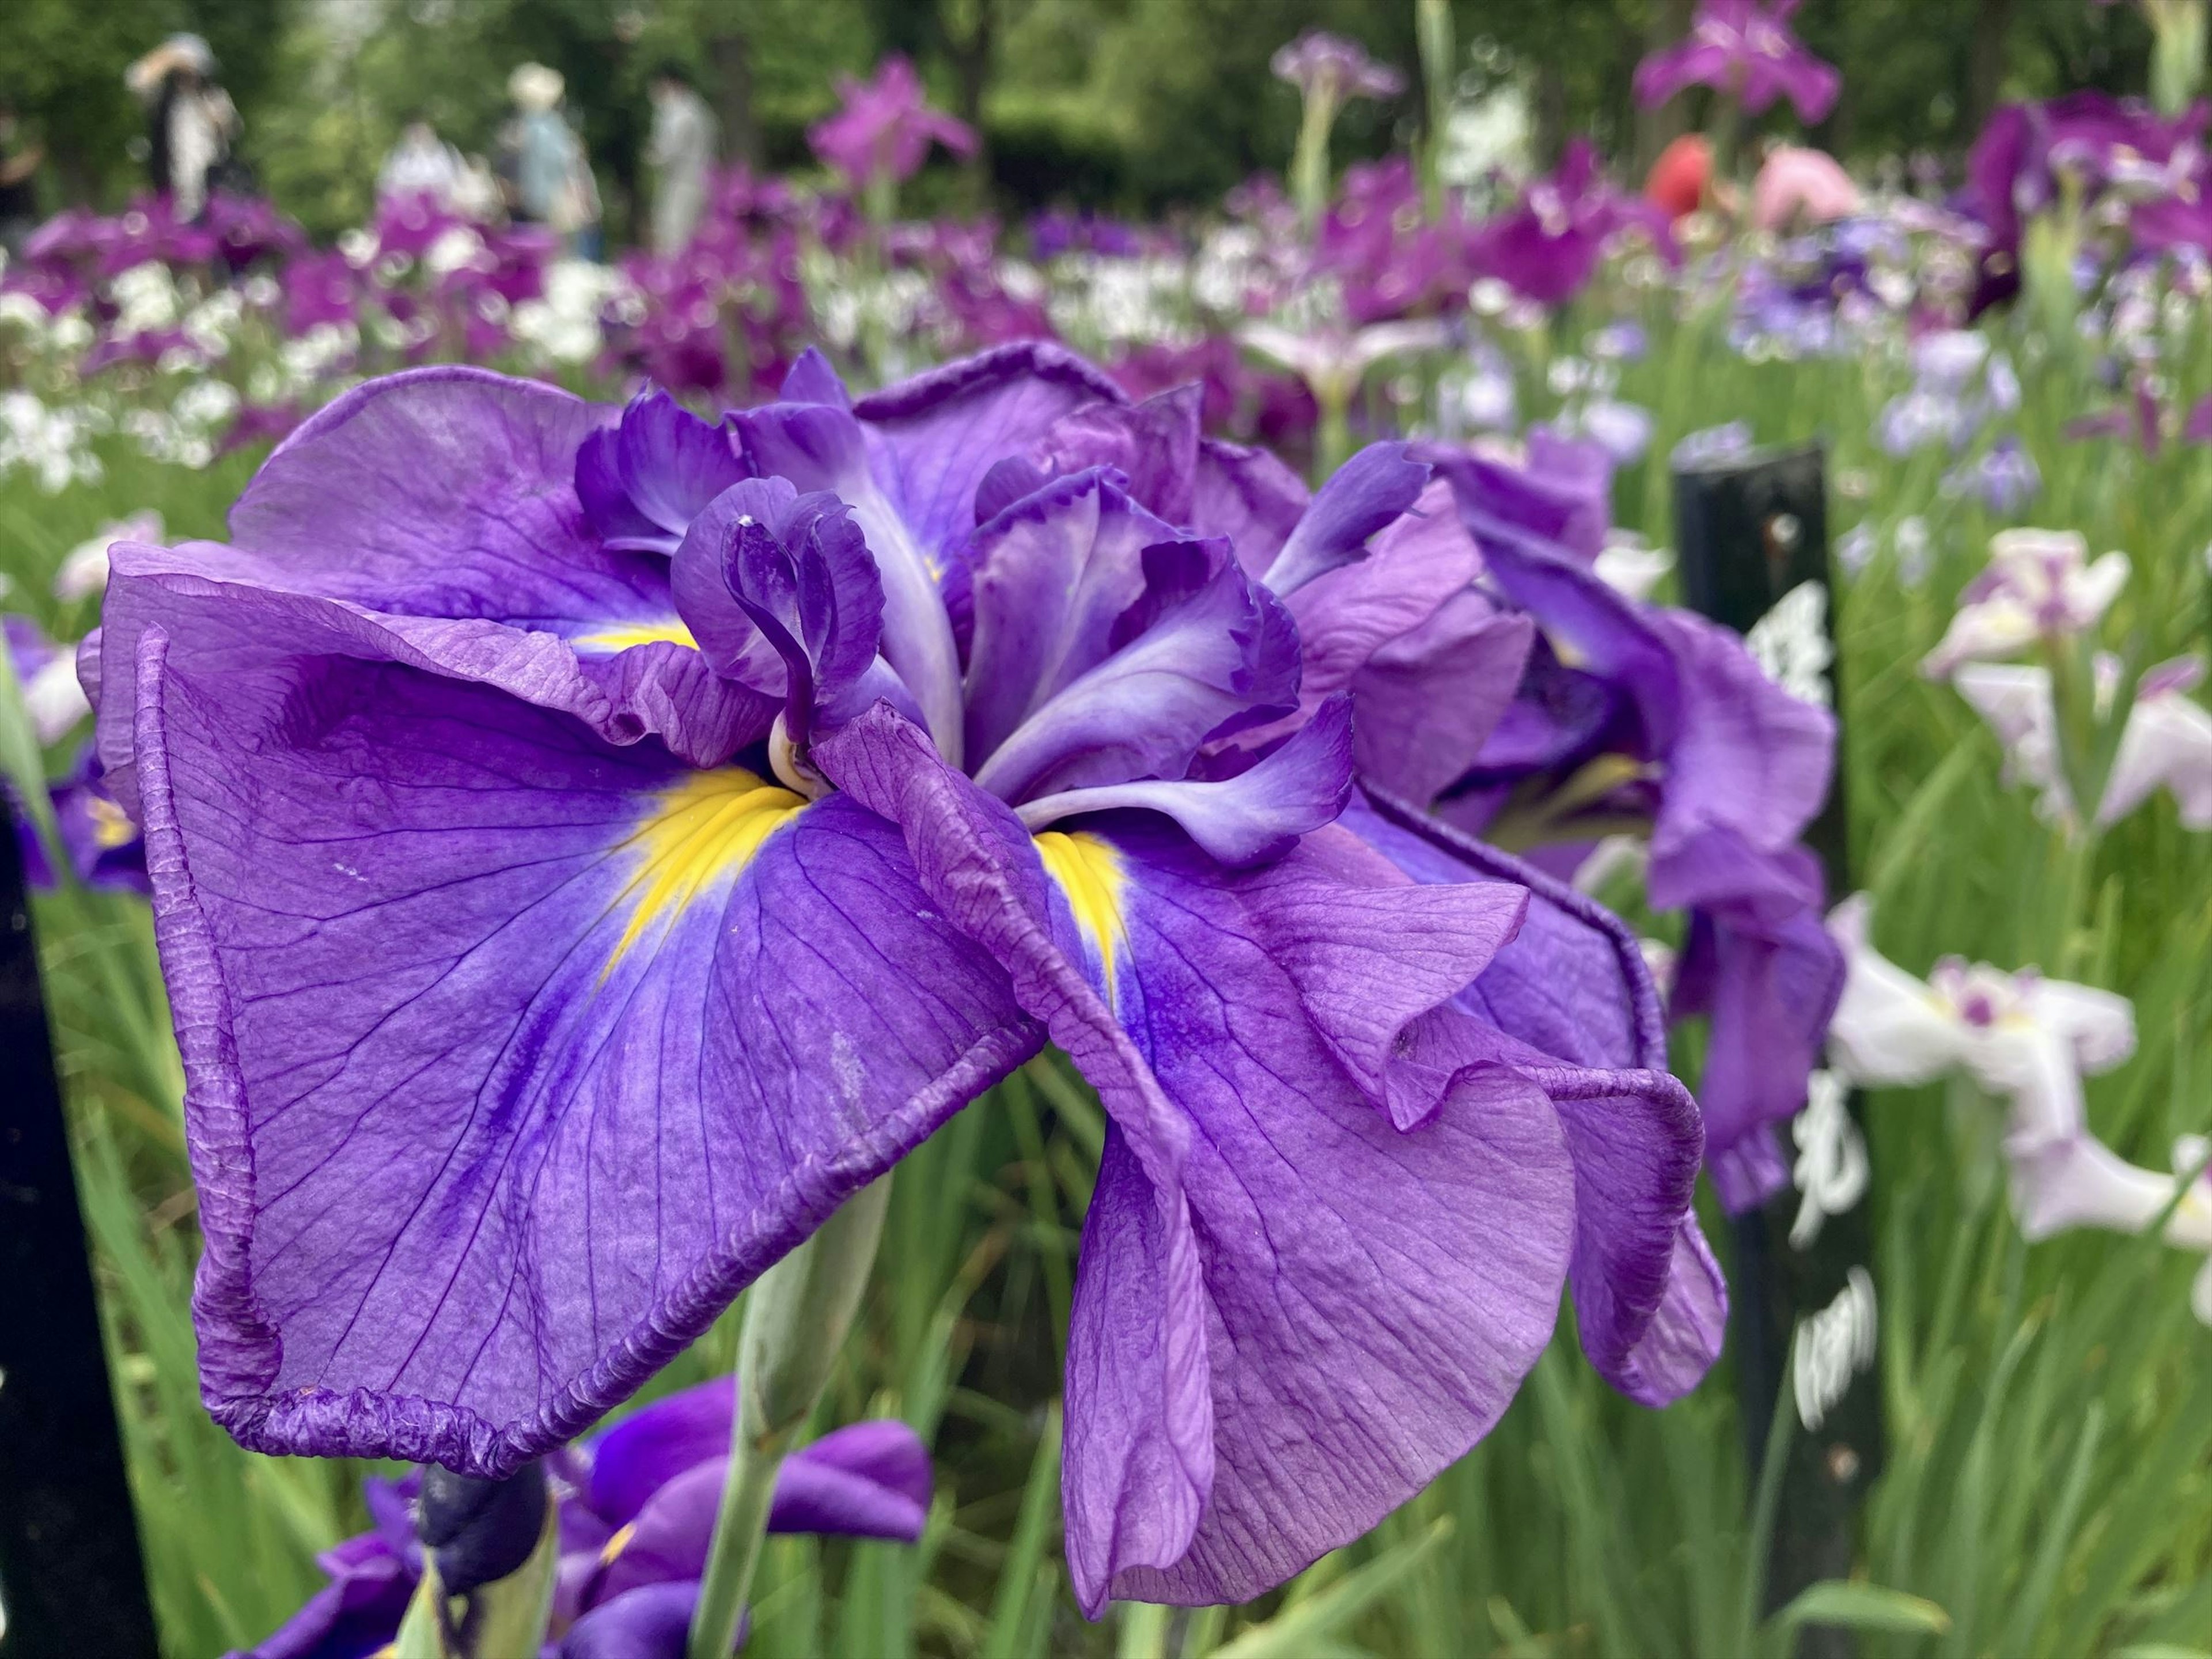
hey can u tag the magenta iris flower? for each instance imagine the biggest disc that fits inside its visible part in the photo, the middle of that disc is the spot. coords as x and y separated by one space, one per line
589 845
1744 50
1547 245
635 1510
884 130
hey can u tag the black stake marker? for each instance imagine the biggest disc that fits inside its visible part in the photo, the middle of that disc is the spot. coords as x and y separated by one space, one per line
1753 534
72 1579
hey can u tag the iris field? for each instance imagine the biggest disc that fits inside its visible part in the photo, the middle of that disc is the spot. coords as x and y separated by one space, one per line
2048 1404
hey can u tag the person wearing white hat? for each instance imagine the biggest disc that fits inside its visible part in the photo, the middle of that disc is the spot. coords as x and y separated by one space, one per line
192 122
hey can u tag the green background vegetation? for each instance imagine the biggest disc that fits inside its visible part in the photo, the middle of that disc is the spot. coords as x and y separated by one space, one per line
1130 105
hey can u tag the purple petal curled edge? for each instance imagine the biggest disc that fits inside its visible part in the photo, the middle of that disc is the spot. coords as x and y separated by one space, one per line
519 1040
1245 1394
434 516
1650 1301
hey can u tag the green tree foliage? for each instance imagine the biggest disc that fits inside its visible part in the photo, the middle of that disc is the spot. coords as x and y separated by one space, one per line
1131 105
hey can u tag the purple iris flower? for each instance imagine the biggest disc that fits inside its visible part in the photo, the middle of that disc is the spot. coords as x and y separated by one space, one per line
1547 246
1744 50
101 843
560 929
883 132
635 1510
1631 715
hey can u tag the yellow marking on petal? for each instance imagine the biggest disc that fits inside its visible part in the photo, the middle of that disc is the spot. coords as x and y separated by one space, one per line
110 824
708 826
620 636
618 1543
1089 872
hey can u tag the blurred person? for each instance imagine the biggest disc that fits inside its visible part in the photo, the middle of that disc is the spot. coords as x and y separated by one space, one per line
684 139
191 122
421 164
19 182
552 177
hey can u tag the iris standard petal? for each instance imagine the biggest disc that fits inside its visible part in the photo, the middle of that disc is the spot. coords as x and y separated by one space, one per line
643 481
1050 577
1429 699
1200 649
1367 493
510 1056
1242 819
1154 446
1248 1395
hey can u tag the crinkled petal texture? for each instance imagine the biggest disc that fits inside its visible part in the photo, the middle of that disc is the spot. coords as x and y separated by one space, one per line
1335 1210
512 1055
1571 990
434 516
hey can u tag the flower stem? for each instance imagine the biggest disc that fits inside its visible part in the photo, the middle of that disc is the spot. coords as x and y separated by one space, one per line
796 1317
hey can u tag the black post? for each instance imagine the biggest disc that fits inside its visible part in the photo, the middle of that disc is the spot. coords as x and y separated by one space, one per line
1753 537
72 1579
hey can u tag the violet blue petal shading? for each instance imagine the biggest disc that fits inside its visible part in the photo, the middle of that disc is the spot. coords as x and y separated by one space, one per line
1050 577
1651 1305
1369 492
651 1621
1186 1361
1155 445
463 992
812 380
1248 497
642 482
435 516
1244 818
1429 699
908 461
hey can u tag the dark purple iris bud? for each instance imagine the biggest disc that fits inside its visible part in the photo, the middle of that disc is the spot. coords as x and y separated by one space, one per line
643 481
478 1531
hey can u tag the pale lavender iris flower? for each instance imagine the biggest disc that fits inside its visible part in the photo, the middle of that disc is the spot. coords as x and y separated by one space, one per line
560 927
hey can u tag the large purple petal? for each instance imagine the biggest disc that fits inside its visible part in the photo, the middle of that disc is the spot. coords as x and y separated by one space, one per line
1154 445
652 1621
1248 1395
1649 1302
1760 963
510 1056
1428 700
932 438
1049 578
